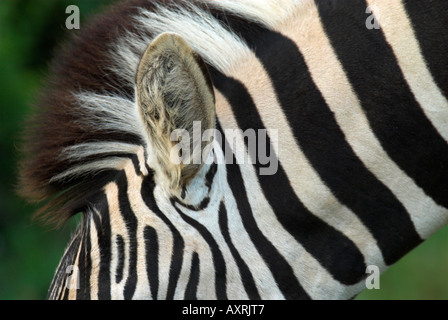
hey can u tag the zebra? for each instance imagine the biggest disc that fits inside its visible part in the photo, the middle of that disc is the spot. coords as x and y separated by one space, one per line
352 98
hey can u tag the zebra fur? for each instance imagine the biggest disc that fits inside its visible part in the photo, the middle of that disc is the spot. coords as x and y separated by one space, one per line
362 150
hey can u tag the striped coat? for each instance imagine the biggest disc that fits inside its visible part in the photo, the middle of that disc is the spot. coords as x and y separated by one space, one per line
351 97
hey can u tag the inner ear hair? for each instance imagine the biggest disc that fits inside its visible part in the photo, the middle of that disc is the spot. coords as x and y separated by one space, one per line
174 90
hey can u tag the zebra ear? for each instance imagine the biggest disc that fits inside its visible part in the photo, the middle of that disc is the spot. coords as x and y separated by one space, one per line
176 101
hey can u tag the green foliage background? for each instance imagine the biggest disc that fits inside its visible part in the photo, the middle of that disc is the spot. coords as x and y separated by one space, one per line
30 252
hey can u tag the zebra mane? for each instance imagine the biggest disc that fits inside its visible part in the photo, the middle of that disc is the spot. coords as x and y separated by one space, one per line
86 124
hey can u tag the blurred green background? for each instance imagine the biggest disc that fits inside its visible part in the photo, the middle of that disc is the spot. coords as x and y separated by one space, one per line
30 252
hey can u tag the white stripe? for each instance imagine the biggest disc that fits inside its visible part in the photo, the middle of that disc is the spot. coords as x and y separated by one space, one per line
118 227
110 113
84 150
216 45
269 12
142 288
91 167
94 257
185 274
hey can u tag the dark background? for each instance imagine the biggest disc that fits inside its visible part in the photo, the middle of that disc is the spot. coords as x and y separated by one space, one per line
30 252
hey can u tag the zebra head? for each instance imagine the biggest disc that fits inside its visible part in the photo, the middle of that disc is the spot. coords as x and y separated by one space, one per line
145 129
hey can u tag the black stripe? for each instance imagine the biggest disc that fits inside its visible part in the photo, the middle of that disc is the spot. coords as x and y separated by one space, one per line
136 164
85 261
203 67
102 225
64 294
147 193
331 248
218 259
184 191
121 258
430 21
394 115
152 259
201 206
281 270
246 275
131 226
210 175
193 281
61 279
